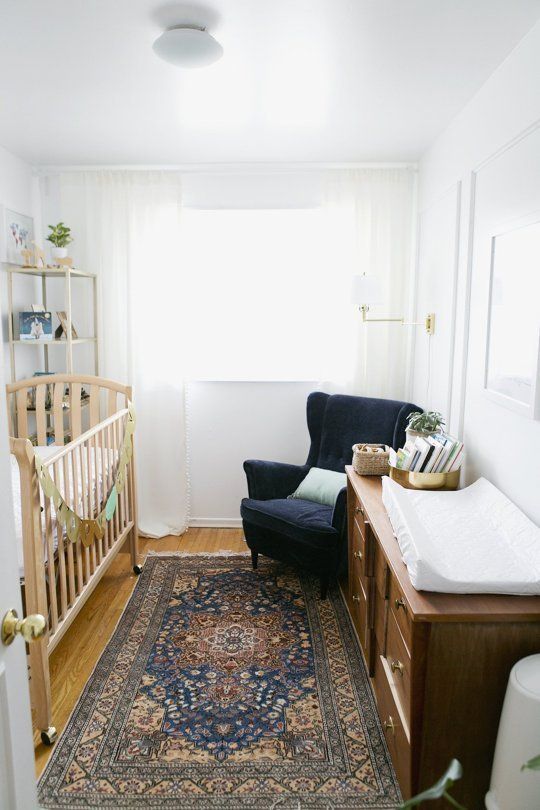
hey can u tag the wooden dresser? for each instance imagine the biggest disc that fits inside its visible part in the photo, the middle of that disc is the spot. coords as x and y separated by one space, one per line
439 663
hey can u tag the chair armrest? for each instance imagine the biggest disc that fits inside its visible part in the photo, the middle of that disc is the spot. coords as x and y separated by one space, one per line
339 515
272 479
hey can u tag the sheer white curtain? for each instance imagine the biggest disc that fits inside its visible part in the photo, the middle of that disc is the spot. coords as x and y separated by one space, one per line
376 210
127 228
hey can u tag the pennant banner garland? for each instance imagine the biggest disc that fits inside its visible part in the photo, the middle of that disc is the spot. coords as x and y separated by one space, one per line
90 529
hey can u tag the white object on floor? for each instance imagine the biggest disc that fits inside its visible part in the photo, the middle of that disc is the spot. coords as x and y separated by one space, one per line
473 540
518 741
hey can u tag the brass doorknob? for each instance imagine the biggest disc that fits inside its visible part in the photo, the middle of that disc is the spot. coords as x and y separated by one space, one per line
399 603
389 725
30 629
397 666
357 554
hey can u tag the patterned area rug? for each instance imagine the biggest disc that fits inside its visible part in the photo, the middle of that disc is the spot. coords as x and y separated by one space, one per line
223 688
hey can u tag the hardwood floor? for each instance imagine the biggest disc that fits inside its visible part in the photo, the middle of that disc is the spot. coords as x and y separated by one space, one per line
76 655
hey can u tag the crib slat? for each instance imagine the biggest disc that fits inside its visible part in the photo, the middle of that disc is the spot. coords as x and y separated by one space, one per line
78 544
41 416
61 552
22 414
75 410
84 508
90 490
111 402
94 405
49 539
58 413
104 485
115 468
69 495
121 429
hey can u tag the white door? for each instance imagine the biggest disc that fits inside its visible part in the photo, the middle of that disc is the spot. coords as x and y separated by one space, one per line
17 780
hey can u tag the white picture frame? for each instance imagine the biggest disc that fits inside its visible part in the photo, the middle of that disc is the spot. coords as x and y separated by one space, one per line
512 358
17 233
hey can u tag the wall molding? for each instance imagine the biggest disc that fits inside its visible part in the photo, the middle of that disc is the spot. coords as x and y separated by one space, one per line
215 523
524 133
452 191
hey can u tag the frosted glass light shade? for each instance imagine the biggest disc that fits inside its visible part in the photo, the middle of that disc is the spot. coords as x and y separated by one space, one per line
366 290
188 47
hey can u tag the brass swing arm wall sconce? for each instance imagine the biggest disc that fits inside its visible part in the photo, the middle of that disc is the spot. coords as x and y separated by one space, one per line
428 322
367 290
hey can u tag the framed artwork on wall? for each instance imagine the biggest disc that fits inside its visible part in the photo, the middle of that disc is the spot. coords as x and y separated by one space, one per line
512 370
17 234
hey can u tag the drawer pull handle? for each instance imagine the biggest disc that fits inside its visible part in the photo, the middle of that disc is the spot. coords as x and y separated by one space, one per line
355 597
358 555
399 603
389 725
359 510
397 666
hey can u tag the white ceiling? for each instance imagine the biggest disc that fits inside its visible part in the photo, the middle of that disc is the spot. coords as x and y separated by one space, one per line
301 80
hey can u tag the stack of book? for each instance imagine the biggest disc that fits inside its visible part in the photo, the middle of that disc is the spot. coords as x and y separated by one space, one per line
430 454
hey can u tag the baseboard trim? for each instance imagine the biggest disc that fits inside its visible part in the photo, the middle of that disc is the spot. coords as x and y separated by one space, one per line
215 523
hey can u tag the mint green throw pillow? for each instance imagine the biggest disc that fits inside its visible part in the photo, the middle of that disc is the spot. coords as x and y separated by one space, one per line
321 486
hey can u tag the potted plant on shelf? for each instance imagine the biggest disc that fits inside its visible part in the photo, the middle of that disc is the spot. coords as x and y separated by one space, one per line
424 424
59 237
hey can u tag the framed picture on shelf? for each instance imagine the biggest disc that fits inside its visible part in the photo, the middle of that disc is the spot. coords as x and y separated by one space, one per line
35 326
17 234
62 330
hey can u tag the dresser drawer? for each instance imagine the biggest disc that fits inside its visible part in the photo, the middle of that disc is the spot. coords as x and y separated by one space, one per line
380 609
394 729
399 663
400 611
359 613
380 569
358 548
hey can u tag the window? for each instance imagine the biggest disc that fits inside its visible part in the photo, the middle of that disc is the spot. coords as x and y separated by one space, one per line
265 295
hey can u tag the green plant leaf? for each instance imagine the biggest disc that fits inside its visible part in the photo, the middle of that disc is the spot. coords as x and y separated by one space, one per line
438 790
532 765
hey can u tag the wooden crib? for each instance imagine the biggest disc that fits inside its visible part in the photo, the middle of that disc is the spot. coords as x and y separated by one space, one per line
86 419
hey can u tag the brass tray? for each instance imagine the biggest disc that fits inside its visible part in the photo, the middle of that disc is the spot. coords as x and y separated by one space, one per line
419 480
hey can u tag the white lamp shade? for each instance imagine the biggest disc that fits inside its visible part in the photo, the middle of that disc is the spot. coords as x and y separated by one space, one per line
188 47
366 290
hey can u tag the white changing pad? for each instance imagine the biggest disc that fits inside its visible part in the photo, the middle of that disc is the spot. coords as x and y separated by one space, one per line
474 540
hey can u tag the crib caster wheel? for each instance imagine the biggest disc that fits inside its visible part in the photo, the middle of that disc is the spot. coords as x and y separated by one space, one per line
49 736
137 569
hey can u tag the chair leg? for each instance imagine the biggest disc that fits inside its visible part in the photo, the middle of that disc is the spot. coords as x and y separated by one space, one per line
325 581
254 556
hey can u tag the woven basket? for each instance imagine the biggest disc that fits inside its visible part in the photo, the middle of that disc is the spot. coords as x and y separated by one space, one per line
370 459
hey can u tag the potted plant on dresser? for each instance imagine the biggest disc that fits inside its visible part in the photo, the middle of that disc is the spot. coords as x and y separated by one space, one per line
59 237
422 424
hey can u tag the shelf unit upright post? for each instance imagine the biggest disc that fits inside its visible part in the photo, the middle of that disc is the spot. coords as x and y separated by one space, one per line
68 274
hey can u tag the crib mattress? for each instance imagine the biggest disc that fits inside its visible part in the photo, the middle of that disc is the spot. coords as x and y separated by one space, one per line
474 540
44 453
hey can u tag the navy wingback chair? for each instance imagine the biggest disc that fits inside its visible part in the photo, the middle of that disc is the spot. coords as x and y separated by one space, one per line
306 534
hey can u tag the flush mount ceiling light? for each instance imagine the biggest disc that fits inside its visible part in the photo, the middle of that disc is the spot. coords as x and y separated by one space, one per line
188 46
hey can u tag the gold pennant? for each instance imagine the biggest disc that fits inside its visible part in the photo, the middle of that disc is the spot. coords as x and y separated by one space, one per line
88 529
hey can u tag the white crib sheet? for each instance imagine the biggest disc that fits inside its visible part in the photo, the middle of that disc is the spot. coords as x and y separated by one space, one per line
45 453
474 540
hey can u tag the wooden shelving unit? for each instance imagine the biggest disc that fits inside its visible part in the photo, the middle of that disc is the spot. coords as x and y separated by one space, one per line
68 274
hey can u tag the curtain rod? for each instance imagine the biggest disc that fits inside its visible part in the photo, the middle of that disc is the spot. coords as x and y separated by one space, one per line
223 167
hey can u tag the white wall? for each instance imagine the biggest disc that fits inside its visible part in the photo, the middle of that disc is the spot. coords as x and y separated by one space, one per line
482 171
19 192
229 422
